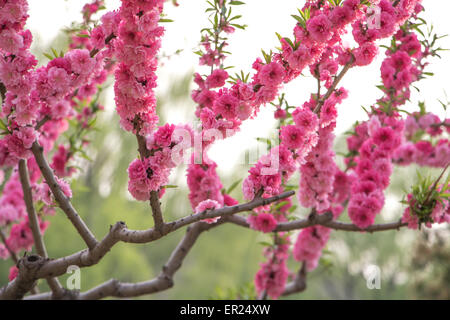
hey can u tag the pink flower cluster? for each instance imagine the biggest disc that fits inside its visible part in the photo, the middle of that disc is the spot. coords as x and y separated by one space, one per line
317 173
309 245
417 149
225 109
150 174
403 66
373 168
46 95
13 210
267 175
273 274
21 236
439 214
204 183
392 15
136 46
324 28
264 222
12 206
266 218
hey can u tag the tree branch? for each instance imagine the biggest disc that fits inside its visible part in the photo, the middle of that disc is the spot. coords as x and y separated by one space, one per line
63 201
119 232
25 280
298 284
53 283
164 281
336 225
334 85
324 220
156 211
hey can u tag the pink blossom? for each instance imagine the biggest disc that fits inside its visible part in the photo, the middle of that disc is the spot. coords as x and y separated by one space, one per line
226 105
217 78
206 205
319 28
13 272
264 222
271 74
305 119
365 54
292 136
80 61
271 278
10 41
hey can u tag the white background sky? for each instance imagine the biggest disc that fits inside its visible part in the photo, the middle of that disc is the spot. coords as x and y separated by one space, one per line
264 18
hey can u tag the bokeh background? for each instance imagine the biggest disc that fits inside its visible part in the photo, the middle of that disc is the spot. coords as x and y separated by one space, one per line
223 262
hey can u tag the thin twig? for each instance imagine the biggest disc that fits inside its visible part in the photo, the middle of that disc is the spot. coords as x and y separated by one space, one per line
334 85
53 283
63 201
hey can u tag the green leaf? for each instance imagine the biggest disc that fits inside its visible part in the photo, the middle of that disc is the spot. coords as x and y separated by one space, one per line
48 56
233 186
3 126
169 186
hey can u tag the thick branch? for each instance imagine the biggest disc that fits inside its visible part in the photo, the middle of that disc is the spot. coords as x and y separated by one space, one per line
53 283
119 232
163 281
298 284
25 280
63 201
143 236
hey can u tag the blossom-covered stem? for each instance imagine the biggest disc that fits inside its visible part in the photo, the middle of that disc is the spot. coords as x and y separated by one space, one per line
108 39
298 284
34 223
334 85
61 198
13 255
154 195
